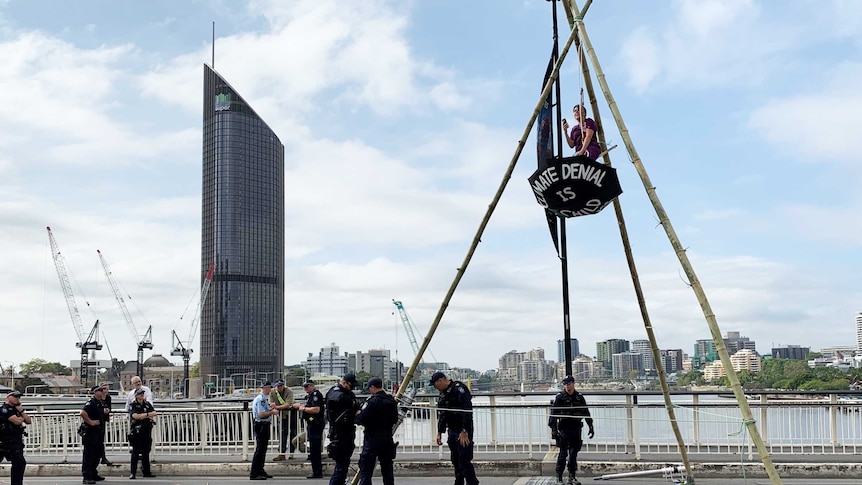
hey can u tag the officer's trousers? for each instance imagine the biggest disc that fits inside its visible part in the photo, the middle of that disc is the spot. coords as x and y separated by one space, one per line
570 443
15 455
141 445
315 446
376 446
341 453
261 438
93 442
462 459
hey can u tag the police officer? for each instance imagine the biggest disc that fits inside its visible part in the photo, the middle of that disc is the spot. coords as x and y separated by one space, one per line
312 414
378 414
93 414
141 416
12 421
568 412
341 409
262 413
455 414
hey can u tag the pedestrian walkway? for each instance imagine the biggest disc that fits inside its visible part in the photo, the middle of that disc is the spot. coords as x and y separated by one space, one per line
591 465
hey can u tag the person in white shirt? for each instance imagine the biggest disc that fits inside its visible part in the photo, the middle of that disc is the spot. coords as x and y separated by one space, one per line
148 394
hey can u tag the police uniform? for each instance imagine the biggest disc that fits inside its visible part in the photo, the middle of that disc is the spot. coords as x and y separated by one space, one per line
12 441
378 414
314 424
259 406
454 415
141 437
568 412
93 439
341 414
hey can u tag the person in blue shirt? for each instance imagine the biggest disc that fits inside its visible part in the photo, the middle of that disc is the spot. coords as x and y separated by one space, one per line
262 412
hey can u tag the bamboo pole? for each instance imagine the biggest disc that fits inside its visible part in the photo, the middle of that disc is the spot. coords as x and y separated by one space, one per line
408 376
694 282
627 249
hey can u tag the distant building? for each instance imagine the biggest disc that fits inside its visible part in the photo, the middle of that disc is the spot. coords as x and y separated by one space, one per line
672 360
329 361
838 351
713 370
734 343
704 351
627 365
242 232
574 347
643 347
794 352
746 359
529 366
605 350
375 362
859 331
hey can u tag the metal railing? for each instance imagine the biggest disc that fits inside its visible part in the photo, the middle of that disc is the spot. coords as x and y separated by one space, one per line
625 423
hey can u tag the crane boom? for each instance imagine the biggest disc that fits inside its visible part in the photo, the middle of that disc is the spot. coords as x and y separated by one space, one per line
204 290
60 264
143 342
185 351
408 326
89 372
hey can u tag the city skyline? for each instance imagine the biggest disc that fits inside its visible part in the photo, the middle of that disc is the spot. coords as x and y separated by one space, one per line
398 121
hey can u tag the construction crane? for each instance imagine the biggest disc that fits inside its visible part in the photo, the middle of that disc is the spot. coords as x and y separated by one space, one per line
143 342
411 330
88 343
185 351
408 326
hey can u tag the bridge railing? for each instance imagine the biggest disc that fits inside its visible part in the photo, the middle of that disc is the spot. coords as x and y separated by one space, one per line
625 423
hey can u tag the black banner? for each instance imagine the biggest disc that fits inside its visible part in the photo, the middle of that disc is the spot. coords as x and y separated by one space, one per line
575 186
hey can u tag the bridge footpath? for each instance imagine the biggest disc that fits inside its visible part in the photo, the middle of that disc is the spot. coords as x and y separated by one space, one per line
725 468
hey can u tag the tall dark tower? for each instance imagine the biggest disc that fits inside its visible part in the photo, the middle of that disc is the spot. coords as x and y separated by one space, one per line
242 231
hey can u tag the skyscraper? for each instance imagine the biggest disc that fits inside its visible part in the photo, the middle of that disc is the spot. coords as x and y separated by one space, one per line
859 331
561 349
242 231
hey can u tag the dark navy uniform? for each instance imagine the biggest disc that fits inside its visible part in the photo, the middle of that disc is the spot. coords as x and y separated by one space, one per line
106 405
341 410
454 415
378 415
568 412
141 437
93 440
314 425
12 439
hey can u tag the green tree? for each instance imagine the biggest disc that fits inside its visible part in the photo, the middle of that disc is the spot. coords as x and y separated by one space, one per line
195 369
41 366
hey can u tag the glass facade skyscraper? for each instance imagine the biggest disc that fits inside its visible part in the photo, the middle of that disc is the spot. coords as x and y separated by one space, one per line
242 231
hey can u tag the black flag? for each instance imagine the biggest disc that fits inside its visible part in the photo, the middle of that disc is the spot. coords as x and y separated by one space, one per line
545 147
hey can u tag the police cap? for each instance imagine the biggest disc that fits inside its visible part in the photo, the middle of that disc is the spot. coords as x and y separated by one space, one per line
138 392
437 376
375 382
308 383
568 380
96 389
15 394
350 379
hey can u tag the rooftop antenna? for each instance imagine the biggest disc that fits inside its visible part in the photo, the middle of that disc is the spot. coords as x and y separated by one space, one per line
213 60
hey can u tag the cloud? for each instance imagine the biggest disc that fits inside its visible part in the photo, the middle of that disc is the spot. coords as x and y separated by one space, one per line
817 126
311 49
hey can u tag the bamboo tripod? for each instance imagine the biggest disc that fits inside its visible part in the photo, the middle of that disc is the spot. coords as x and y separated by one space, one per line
575 18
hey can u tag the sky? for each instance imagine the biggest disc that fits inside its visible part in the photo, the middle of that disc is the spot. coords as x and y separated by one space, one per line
399 120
